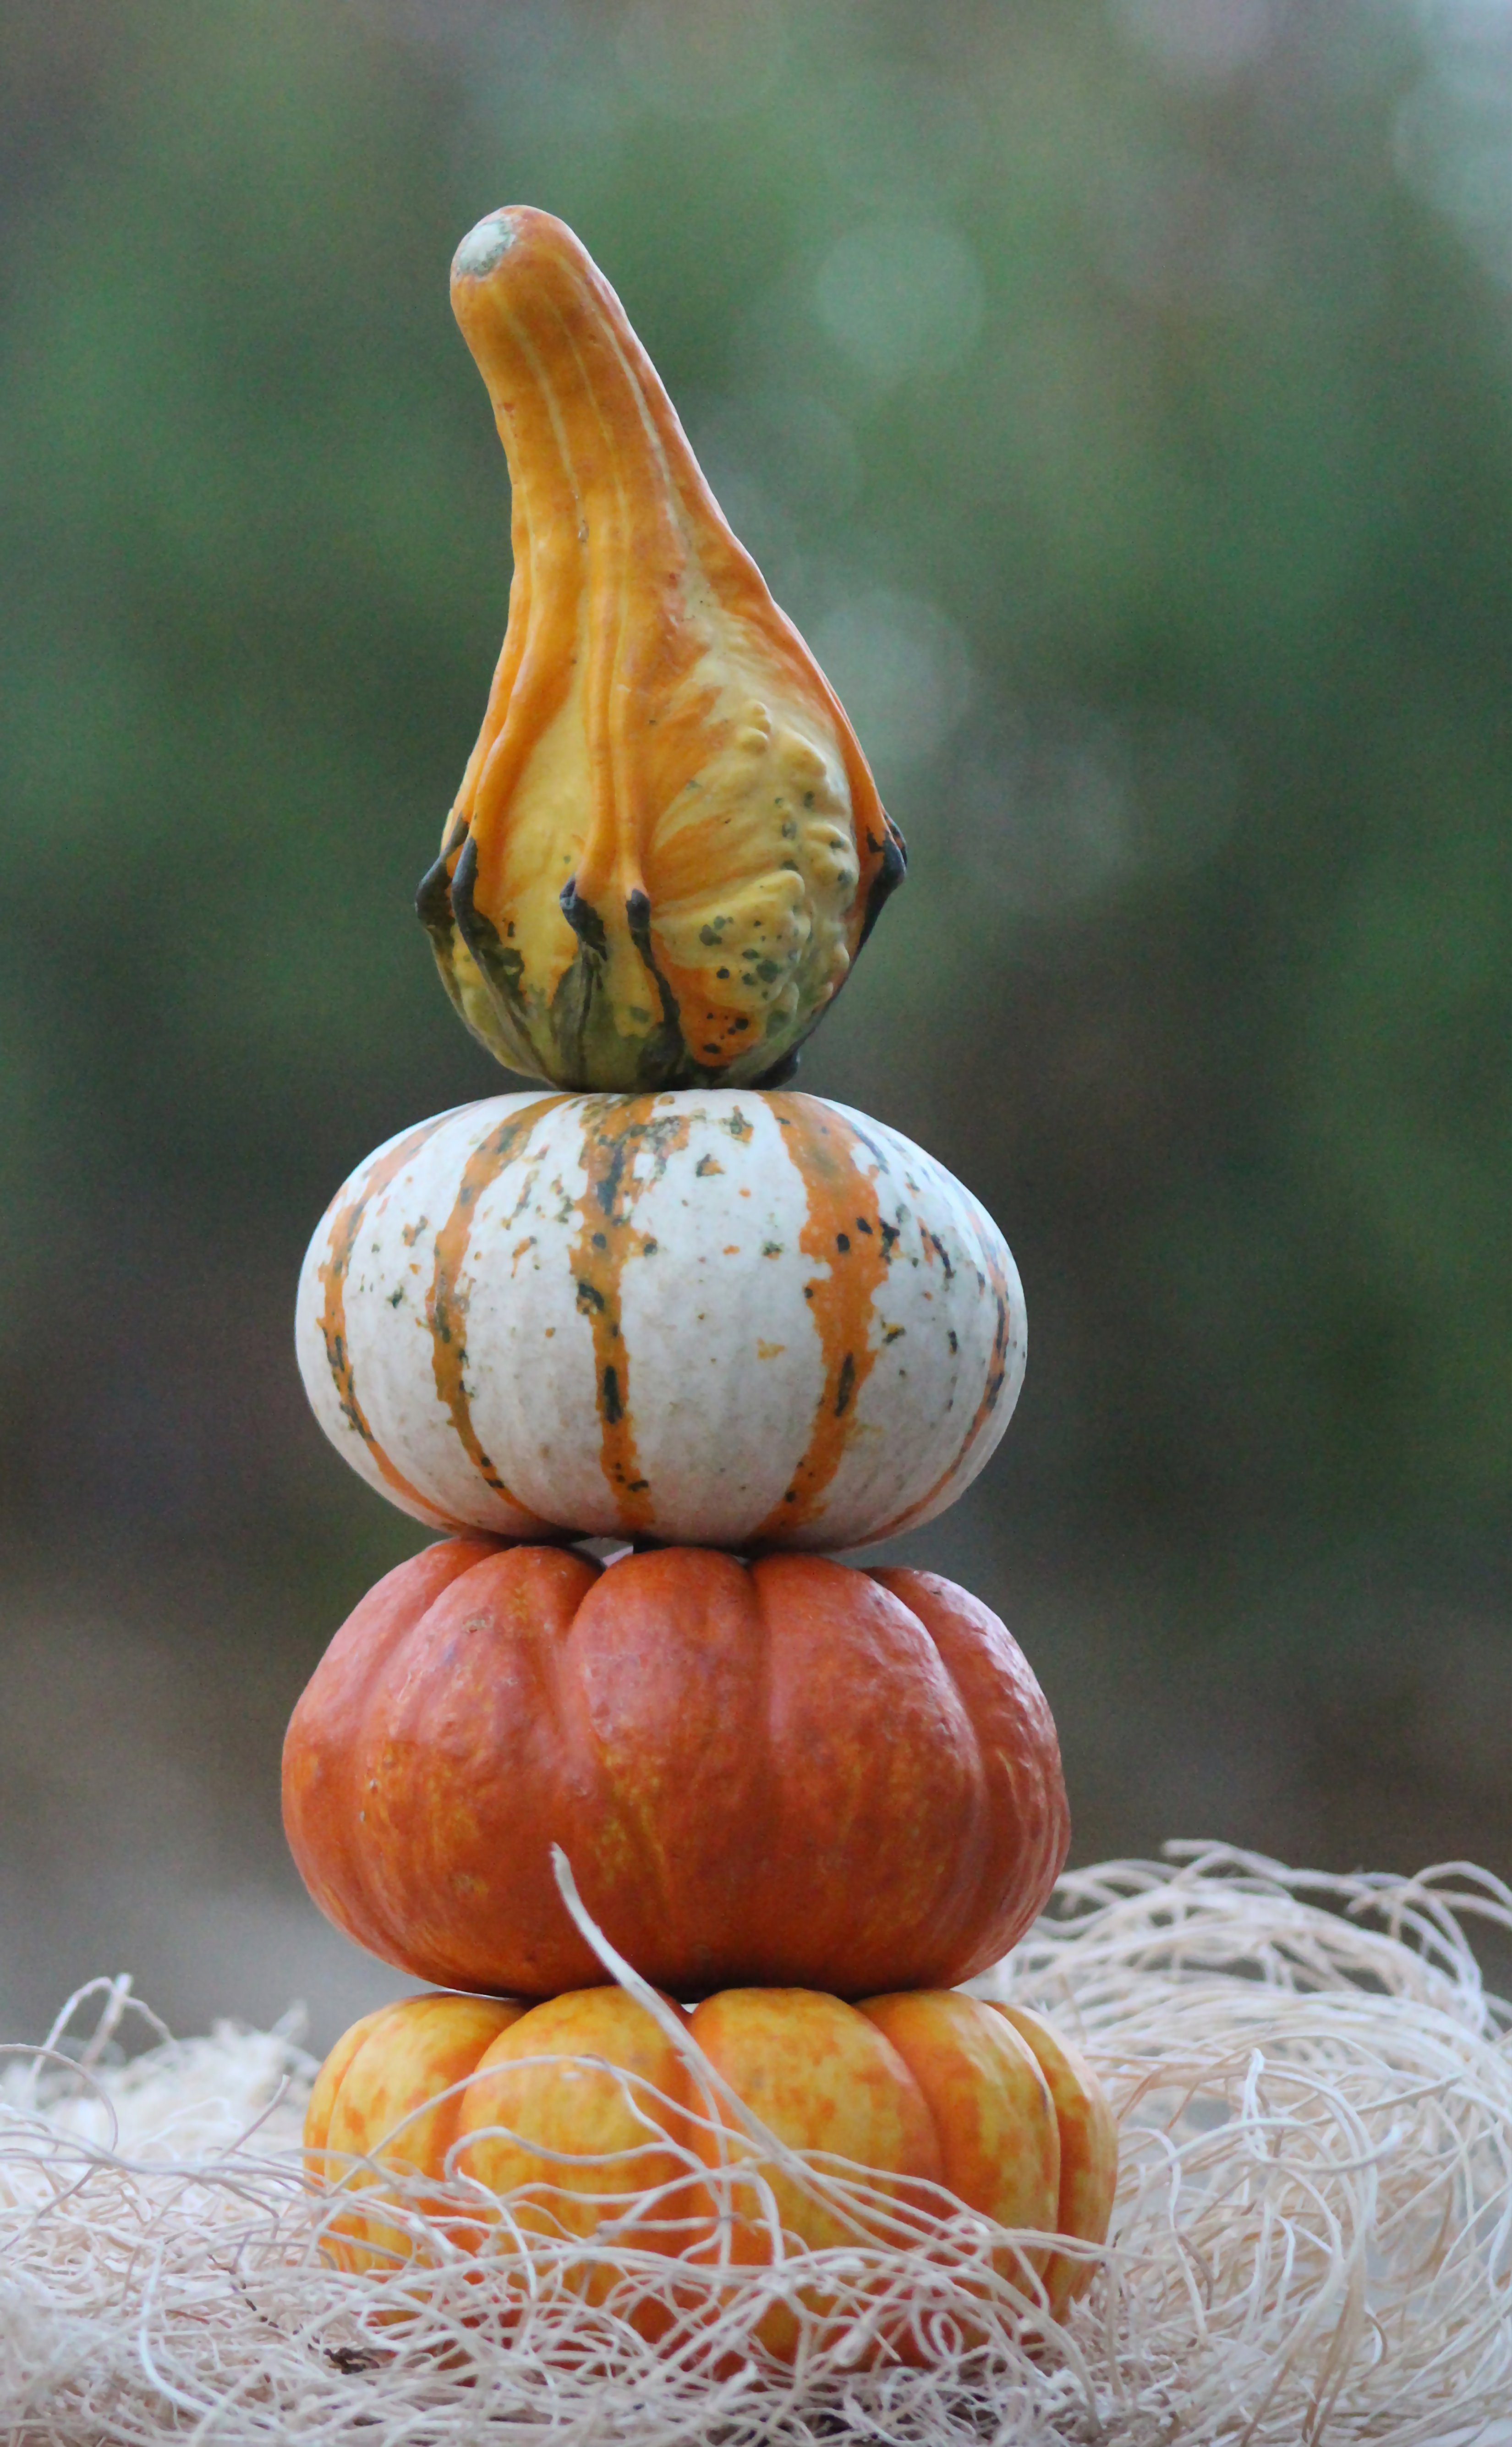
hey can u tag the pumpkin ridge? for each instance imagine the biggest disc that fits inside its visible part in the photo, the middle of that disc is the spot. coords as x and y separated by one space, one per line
769 1759
987 1402
624 638
840 1197
977 1843
632 1812
384 1921
626 1126
534 672
631 651
594 877
870 1772
341 1240
387 1918
576 1780
971 1855
422 1686
757 1804
528 684
1015 1738
329 2080
934 2122
579 1787
323 1807
446 1309
533 675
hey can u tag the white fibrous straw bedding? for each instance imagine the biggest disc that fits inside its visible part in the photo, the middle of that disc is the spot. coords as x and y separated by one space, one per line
1313 2238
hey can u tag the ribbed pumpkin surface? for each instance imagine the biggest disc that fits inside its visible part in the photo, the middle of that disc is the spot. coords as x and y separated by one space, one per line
928 2089
718 1318
792 1772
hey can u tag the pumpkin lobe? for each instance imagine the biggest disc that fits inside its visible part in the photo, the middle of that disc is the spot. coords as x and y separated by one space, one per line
1026 1819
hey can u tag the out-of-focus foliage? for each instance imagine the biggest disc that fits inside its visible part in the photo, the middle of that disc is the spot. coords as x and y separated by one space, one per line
1119 397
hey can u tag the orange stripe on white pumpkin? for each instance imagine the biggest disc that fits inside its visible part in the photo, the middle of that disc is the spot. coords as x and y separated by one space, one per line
378 1226
621 1132
446 1306
1004 1293
341 1229
843 1236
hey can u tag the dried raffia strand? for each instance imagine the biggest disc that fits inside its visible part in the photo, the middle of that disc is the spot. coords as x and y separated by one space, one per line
1314 2236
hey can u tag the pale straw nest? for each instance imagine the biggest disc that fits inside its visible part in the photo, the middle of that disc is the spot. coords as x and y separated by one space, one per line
1313 2238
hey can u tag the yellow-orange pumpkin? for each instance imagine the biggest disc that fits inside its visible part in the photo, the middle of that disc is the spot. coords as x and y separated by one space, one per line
929 2089
668 847
790 1772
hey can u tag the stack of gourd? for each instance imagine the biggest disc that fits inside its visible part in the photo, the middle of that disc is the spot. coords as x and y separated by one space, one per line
672 1304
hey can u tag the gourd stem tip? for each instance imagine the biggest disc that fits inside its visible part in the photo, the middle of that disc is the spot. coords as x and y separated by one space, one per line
485 246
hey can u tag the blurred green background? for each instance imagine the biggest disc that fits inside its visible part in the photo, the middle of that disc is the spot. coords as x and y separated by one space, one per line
1119 395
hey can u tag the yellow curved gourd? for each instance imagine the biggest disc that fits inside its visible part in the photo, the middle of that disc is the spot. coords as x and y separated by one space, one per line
668 847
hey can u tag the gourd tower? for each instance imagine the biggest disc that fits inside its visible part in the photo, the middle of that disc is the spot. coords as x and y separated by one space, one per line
650 1345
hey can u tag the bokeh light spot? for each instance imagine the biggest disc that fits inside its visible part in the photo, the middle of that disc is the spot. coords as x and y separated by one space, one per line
696 60
904 672
900 295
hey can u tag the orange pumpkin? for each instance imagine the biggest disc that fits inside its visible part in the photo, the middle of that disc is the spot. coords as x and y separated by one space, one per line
929 2089
789 1772
668 847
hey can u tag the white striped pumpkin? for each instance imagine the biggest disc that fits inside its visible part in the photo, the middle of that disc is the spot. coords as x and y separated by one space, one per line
713 1317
